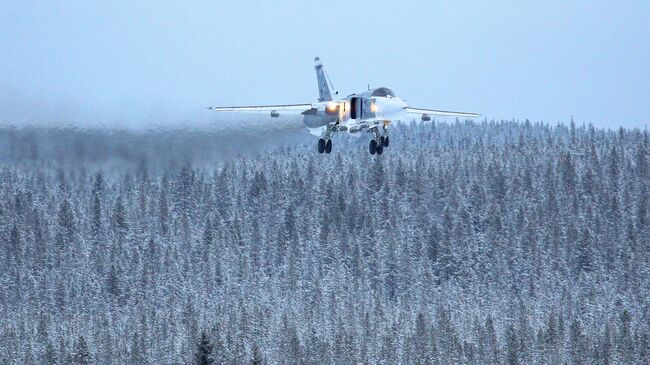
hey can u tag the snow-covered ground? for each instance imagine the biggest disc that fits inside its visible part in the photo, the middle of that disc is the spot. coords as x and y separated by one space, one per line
464 243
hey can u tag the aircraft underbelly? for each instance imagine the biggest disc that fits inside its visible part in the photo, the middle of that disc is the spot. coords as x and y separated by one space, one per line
318 120
318 126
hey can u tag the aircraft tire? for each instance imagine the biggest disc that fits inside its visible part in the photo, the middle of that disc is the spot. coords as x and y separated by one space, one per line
380 149
386 140
381 141
373 147
321 145
328 146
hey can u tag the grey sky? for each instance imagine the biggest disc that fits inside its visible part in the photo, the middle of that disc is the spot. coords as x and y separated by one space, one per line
137 63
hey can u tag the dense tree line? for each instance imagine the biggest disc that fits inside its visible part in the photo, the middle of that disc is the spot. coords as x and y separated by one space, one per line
464 243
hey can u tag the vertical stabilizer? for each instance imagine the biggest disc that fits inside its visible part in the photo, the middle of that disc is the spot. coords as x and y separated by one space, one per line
324 84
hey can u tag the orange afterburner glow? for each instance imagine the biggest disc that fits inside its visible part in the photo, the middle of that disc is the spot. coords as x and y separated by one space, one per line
373 107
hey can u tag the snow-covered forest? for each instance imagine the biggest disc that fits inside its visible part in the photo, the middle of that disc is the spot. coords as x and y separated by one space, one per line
464 243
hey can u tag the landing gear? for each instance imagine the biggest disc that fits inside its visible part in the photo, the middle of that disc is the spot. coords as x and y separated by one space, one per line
325 142
324 146
384 136
378 142
380 148
376 147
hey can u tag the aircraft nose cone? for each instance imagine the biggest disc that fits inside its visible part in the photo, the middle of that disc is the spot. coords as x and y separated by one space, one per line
392 108
402 104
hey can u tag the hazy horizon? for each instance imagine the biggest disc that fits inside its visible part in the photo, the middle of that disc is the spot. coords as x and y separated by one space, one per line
142 64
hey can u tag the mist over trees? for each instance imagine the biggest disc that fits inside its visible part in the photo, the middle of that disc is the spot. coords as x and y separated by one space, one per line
464 243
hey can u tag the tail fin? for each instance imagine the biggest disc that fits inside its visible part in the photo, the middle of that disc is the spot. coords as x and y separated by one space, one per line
324 83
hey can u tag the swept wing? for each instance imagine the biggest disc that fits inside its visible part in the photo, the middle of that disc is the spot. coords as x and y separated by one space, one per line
445 113
280 108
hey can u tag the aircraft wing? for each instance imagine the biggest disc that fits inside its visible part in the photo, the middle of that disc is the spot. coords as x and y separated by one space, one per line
429 112
282 108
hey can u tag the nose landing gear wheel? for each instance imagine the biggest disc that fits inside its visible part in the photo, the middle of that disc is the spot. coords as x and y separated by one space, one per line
386 142
321 145
373 147
328 146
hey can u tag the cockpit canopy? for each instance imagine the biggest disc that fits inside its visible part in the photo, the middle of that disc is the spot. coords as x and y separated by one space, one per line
383 92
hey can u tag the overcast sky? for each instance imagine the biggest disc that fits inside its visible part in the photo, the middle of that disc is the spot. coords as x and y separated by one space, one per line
133 63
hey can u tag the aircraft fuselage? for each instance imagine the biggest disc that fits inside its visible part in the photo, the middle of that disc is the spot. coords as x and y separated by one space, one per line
355 112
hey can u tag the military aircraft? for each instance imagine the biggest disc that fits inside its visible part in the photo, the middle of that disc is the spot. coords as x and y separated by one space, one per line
370 111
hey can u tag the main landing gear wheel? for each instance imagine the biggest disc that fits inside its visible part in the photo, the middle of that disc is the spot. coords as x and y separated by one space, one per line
321 145
373 147
328 146
381 141
380 148
385 141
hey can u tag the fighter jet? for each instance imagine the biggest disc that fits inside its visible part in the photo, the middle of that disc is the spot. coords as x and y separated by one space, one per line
369 111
